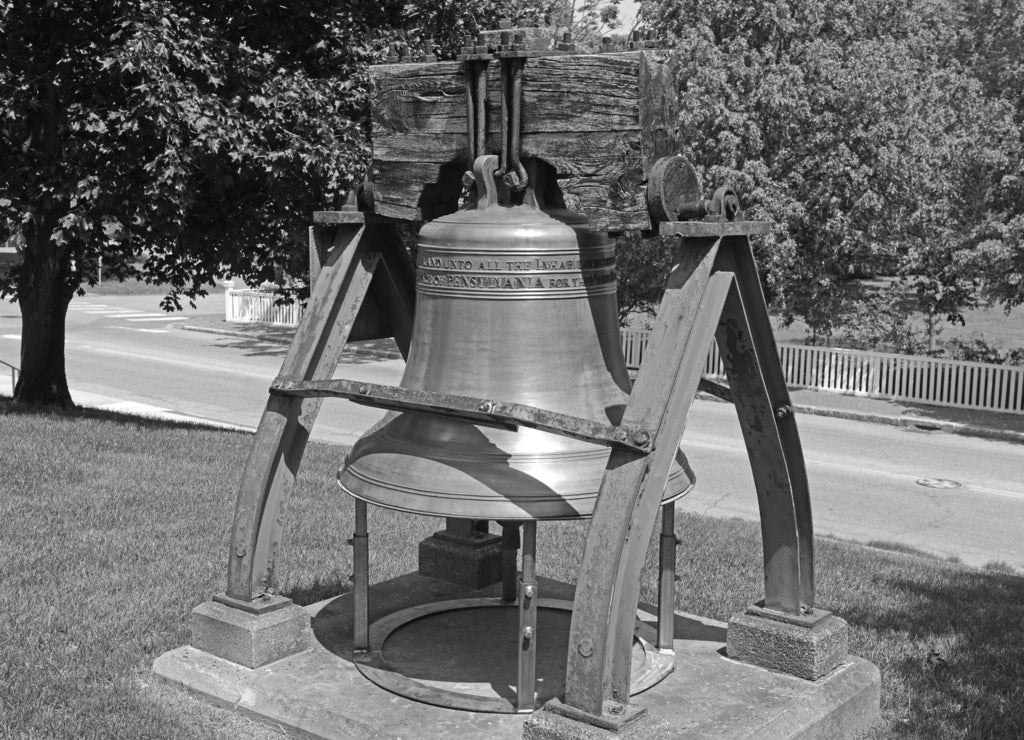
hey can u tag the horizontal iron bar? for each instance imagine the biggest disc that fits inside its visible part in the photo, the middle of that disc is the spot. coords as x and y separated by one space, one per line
716 229
484 411
715 389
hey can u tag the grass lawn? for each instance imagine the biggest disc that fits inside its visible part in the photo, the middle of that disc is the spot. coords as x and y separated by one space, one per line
112 529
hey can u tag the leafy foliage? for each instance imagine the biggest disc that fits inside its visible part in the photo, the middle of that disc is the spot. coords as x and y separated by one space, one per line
868 133
182 141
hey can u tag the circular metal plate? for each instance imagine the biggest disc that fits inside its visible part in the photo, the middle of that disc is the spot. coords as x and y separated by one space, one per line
462 654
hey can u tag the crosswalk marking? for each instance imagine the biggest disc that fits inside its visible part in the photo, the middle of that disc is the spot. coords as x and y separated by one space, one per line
148 331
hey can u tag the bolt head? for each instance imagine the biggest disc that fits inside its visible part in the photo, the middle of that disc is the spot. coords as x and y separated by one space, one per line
585 648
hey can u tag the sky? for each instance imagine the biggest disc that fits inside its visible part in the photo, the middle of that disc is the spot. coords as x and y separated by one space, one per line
627 12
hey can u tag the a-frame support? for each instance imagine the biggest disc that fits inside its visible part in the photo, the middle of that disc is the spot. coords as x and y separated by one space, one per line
713 291
360 252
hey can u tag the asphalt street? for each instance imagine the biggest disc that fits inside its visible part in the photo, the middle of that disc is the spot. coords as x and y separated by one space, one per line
950 495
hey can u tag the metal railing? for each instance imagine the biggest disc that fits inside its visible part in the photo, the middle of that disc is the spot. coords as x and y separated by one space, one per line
14 374
928 380
248 305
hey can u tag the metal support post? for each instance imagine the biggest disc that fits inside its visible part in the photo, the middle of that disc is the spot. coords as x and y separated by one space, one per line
528 620
509 560
667 578
361 581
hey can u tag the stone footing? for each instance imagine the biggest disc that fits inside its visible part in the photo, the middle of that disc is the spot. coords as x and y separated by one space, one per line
320 693
473 561
807 646
251 636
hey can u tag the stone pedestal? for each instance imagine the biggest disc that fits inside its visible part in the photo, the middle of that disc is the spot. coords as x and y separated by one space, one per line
251 634
463 554
808 646
319 692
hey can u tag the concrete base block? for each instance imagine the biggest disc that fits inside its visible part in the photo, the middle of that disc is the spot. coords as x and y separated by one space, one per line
320 693
473 561
807 646
251 638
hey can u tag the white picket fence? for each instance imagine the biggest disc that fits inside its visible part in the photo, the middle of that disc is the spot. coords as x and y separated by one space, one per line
928 380
14 374
251 305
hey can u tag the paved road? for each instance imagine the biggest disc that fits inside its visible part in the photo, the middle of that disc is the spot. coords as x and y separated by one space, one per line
951 495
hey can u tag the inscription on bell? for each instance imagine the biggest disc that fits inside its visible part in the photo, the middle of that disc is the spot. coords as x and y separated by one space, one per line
569 275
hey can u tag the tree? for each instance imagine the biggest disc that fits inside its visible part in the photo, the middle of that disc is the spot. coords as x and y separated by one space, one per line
991 43
179 141
854 130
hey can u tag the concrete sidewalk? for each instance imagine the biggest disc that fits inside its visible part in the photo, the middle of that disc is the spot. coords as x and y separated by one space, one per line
987 424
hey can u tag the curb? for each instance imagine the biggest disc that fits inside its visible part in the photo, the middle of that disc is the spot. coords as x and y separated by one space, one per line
920 423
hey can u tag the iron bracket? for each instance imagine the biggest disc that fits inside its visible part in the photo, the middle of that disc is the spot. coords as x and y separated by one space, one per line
488 412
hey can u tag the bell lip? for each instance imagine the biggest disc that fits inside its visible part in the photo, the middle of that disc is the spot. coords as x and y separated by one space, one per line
503 509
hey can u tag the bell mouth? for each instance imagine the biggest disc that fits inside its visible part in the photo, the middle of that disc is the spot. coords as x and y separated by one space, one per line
426 464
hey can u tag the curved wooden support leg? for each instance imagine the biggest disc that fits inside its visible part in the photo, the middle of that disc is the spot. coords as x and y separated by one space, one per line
667 437
739 258
284 429
607 589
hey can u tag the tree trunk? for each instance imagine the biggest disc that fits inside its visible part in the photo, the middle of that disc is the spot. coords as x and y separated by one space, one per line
930 321
46 281
45 288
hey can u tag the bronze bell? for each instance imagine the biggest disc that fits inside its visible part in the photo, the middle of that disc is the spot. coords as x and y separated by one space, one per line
511 305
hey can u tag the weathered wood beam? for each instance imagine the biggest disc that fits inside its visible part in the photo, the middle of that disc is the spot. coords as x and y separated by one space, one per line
600 120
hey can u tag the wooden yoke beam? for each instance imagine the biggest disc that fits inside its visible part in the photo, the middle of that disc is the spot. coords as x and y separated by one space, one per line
285 427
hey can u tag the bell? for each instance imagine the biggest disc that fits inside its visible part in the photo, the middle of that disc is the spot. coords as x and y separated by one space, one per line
511 305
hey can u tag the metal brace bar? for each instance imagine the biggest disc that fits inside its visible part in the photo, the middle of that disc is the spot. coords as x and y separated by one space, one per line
718 390
360 581
526 685
667 578
501 414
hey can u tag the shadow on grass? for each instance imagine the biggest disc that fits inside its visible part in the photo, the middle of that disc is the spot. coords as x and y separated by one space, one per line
86 413
950 642
319 590
891 546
